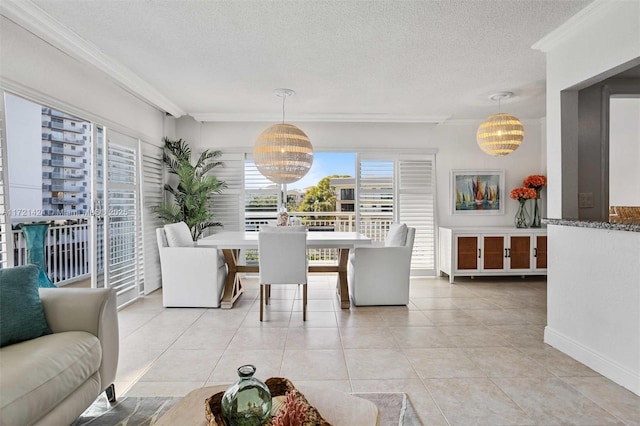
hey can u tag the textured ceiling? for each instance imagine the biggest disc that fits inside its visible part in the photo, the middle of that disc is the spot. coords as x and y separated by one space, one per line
393 58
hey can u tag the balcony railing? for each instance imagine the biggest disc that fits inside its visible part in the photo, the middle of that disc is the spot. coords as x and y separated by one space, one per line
56 138
70 152
66 251
68 256
375 227
62 176
65 188
56 200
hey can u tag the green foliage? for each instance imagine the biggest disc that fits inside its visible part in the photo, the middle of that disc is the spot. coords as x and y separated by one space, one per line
191 196
320 198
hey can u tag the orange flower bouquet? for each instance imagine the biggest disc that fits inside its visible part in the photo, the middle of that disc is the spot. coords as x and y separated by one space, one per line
522 194
536 182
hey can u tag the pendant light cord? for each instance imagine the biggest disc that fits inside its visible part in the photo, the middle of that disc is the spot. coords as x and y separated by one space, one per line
284 98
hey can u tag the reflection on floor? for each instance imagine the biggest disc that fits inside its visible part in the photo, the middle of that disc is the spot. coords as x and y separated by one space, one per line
468 353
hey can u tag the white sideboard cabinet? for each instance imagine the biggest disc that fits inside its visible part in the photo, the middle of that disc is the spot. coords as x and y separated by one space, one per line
492 251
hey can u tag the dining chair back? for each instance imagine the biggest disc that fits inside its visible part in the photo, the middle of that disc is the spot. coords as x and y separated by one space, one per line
282 260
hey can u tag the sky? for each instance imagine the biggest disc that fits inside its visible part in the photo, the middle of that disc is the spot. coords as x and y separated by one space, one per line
327 164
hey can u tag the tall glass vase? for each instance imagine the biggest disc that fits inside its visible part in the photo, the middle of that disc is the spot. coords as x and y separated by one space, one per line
522 217
35 235
536 221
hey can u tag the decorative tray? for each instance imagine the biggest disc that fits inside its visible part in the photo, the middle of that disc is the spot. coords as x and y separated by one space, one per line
279 387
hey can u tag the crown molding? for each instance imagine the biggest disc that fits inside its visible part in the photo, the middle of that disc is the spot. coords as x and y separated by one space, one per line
590 13
333 118
35 20
477 122
463 122
36 96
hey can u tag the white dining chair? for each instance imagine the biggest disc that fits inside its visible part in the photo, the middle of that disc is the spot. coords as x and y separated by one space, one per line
282 260
192 276
381 275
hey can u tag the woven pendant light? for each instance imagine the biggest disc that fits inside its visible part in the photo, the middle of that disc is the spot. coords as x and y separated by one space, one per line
283 153
500 134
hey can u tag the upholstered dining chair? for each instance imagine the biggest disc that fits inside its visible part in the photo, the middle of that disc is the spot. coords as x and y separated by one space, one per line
380 275
282 260
192 277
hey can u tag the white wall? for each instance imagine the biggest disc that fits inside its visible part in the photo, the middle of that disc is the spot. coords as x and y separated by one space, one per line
455 145
595 49
35 69
624 152
607 39
593 305
24 148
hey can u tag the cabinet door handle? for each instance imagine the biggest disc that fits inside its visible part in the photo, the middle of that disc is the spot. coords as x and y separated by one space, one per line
506 253
479 253
535 252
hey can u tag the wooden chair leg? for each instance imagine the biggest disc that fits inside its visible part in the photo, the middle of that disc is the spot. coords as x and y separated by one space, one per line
261 300
304 302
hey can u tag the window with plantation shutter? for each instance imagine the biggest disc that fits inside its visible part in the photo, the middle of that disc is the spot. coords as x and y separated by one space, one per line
6 251
375 206
416 208
261 197
152 195
397 188
226 206
122 221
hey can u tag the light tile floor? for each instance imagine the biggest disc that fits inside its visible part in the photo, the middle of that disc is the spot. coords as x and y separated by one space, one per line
468 353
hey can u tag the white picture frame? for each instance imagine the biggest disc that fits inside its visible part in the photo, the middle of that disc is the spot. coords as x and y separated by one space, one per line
477 192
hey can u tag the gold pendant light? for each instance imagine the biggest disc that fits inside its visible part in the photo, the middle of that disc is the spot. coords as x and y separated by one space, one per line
283 153
500 134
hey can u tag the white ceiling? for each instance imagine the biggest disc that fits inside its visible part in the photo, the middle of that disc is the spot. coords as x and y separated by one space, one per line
389 60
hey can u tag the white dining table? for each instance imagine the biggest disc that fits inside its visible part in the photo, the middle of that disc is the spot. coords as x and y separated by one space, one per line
231 242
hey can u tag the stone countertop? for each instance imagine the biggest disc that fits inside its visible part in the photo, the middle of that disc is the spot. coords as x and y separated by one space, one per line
633 227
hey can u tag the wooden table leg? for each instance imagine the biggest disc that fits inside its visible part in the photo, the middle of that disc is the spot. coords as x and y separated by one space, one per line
342 286
233 285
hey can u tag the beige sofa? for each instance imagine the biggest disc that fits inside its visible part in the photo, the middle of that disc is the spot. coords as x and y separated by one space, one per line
51 380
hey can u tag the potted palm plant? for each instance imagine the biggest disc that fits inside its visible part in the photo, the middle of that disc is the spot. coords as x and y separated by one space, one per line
191 196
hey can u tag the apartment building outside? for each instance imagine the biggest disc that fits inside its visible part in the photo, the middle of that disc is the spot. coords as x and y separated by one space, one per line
345 193
66 142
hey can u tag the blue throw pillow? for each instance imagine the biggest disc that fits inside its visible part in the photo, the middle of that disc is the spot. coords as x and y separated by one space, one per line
21 312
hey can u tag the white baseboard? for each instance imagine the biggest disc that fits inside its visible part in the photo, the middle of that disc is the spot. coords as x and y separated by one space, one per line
594 360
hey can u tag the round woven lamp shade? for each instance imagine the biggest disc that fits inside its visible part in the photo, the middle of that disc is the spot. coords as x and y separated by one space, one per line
283 153
500 134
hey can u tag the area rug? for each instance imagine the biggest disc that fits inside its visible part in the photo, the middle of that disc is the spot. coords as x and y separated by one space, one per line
395 409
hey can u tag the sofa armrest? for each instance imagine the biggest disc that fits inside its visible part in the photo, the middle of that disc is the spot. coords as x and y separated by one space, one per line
86 309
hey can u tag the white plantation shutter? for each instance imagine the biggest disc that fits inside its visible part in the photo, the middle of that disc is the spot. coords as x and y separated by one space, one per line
152 195
399 188
6 249
375 194
261 197
416 208
123 217
227 206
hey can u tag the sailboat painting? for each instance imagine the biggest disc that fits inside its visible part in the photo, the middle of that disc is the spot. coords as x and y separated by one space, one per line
477 191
